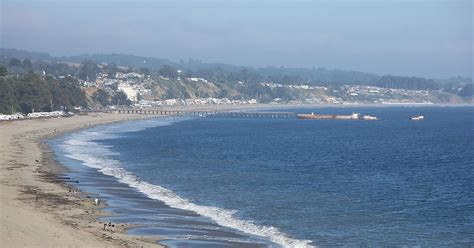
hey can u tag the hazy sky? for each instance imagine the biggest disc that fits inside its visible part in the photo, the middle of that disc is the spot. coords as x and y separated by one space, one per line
421 38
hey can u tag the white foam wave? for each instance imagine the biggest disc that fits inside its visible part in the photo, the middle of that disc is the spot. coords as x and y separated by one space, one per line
81 146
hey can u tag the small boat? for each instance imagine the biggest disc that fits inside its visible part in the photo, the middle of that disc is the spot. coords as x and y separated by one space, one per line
417 118
369 118
354 116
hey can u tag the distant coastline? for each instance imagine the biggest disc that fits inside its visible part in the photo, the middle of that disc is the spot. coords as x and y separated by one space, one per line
98 81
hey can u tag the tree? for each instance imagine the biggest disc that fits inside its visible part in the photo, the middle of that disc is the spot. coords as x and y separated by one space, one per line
14 62
102 97
33 95
120 98
139 97
88 70
7 97
27 64
111 70
144 71
169 72
32 92
3 71
410 83
467 91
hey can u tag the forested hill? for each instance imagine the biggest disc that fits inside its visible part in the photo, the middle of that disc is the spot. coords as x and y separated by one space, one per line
31 92
31 81
280 75
21 54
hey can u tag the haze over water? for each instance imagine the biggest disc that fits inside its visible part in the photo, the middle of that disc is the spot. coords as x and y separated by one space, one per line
392 182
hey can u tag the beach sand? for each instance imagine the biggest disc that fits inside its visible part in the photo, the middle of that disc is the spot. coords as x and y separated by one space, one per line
37 209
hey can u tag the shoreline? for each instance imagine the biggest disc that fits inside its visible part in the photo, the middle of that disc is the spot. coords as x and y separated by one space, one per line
37 208
131 200
40 209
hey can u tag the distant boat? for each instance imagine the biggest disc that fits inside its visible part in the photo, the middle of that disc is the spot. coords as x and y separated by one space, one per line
417 118
369 118
354 116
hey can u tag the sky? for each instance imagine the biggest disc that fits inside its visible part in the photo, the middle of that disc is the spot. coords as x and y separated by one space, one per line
399 37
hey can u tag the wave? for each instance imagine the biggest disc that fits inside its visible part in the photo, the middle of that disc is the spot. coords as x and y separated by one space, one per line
82 146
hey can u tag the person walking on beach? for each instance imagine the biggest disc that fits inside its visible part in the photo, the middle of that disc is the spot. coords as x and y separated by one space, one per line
110 226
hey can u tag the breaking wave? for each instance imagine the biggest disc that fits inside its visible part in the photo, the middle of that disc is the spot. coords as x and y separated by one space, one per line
82 146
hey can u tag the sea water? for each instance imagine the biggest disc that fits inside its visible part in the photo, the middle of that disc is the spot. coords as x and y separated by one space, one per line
206 182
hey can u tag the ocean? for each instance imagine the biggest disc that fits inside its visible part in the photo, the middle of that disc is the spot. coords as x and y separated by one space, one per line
209 182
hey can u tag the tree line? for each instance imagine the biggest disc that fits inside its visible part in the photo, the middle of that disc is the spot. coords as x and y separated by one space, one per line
32 92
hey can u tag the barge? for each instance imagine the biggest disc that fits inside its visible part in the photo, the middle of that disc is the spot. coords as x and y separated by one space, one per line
315 116
353 116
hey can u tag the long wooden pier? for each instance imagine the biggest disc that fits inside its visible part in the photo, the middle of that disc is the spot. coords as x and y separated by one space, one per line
207 114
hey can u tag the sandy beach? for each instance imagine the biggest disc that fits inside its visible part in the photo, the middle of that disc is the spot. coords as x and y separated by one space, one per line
37 208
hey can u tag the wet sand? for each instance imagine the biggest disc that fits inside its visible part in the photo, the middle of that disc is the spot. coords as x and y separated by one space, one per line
38 208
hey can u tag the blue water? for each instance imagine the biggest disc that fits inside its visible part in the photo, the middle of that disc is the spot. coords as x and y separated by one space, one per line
392 182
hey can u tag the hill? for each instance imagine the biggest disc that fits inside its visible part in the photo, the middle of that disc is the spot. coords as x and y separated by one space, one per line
107 79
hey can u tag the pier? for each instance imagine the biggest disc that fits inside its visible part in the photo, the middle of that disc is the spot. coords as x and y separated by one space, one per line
207 114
